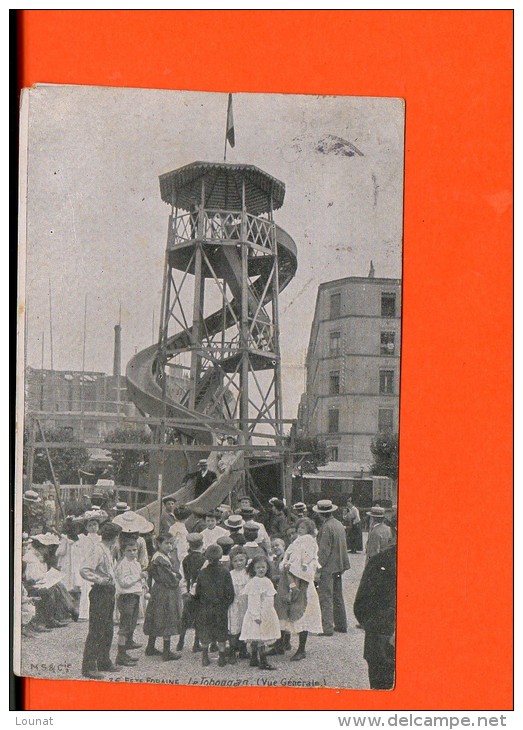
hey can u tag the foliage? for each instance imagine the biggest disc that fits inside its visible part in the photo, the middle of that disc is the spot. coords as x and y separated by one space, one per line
384 448
315 449
128 462
66 461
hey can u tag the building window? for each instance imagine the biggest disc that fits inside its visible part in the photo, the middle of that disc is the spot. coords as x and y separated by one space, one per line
333 453
388 305
334 420
335 306
334 343
334 382
387 343
385 420
387 381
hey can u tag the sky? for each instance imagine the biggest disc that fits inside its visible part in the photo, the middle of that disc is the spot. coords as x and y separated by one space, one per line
97 227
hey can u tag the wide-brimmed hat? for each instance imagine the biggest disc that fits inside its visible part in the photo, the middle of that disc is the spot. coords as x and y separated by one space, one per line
234 522
47 539
132 522
299 507
120 507
376 512
97 497
31 496
202 462
324 506
168 498
93 514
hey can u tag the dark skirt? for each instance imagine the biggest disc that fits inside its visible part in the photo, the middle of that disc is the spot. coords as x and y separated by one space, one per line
164 611
290 604
354 538
212 622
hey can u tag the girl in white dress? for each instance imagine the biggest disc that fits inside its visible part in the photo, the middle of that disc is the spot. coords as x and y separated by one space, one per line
297 602
237 609
260 624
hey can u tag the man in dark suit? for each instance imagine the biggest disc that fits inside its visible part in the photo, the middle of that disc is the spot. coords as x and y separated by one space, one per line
375 610
204 478
334 560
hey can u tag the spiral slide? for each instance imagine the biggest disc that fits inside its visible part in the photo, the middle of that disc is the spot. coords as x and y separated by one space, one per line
144 372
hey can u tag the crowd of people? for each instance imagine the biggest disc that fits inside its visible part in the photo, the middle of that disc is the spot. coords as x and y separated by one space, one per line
246 583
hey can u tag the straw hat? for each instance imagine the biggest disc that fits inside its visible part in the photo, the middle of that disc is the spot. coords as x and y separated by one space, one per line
234 522
120 507
324 507
132 522
93 514
47 539
31 497
376 512
299 507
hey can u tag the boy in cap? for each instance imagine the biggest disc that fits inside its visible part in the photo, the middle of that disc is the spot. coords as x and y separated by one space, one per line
130 581
167 519
214 593
99 570
226 543
252 547
191 566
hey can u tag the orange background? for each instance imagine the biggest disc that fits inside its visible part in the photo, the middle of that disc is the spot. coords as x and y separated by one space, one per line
454 68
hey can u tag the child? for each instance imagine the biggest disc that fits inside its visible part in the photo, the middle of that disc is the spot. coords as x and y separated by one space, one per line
191 567
260 624
212 530
129 588
99 571
278 549
252 546
180 532
226 543
163 613
214 593
237 609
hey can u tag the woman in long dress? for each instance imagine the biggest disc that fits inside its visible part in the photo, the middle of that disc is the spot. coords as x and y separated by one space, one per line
297 603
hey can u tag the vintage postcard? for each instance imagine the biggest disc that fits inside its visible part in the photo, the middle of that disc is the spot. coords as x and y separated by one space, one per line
208 387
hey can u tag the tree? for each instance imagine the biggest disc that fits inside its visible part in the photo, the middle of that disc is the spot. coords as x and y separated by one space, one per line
127 462
66 461
384 448
315 449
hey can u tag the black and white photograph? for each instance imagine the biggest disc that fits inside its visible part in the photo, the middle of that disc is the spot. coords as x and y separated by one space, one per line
208 387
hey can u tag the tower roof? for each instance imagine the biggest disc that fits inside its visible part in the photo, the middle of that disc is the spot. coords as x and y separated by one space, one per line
223 187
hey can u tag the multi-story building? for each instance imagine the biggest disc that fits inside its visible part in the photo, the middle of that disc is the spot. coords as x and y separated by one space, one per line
353 366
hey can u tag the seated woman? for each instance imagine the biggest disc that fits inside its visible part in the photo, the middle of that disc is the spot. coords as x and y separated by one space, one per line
55 606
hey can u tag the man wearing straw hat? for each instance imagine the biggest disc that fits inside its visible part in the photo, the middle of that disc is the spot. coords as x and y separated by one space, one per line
334 560
380 535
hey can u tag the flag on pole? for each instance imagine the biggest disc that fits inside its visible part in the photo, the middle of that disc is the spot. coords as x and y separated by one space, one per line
230 123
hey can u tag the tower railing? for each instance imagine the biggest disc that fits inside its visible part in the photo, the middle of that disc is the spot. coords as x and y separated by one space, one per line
221 225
